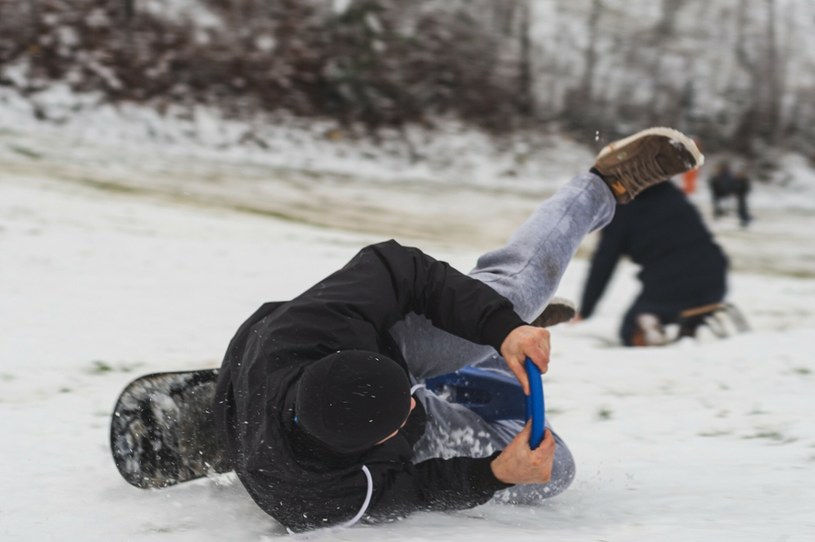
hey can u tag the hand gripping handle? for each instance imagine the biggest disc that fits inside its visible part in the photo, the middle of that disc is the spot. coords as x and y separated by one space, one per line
535 407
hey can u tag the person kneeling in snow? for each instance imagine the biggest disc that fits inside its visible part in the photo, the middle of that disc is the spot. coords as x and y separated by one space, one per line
682 267
319 403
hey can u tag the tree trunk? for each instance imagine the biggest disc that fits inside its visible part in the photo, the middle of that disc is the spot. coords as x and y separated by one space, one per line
587 84
660 44
770 76
526 105
128 11
31 30
742 140
580 109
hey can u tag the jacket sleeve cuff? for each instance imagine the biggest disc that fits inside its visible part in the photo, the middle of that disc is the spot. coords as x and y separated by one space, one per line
481 475
498 326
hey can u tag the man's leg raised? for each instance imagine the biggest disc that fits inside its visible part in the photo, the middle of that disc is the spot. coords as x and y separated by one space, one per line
527 271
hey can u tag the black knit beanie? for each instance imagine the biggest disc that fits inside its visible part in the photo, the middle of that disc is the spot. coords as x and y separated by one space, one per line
352 399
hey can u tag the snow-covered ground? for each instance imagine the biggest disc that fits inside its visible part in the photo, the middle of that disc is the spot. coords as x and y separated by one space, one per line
110 269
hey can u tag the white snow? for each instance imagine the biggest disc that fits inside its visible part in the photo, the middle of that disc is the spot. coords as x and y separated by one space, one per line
108 270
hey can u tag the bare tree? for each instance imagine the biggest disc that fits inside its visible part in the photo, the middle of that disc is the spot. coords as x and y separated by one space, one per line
746 128
760 117
33 19
580 109
770 104
526 104
666 97
587 83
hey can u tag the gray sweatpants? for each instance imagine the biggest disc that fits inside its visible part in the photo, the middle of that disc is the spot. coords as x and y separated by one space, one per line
527 271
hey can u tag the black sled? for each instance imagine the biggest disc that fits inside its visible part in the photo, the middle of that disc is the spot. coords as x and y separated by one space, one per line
162 431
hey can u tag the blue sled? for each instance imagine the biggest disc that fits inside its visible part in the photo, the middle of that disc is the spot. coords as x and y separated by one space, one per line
495 395
490 394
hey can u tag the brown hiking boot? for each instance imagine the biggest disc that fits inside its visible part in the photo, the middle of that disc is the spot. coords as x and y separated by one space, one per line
557 311
646 158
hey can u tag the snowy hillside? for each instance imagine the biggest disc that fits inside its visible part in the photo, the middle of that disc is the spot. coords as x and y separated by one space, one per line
122 257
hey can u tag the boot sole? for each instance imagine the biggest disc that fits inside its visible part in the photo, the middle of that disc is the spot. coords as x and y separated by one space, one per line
670 133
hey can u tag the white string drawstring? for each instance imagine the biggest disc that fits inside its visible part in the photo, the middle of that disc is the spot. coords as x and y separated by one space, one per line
367 502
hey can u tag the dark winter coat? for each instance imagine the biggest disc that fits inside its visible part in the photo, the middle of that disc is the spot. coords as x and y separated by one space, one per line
681 265
724 184
293 477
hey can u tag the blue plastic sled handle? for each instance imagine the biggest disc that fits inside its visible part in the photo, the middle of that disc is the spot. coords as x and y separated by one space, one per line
535 407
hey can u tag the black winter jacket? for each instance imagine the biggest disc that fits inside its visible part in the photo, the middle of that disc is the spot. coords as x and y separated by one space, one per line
293 477
662 232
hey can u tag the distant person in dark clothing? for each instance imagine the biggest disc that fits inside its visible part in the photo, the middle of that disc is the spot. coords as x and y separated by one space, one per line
722 185
742 188
682 267
726 183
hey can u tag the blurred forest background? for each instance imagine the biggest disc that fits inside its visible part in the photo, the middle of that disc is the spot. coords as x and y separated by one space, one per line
738 74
